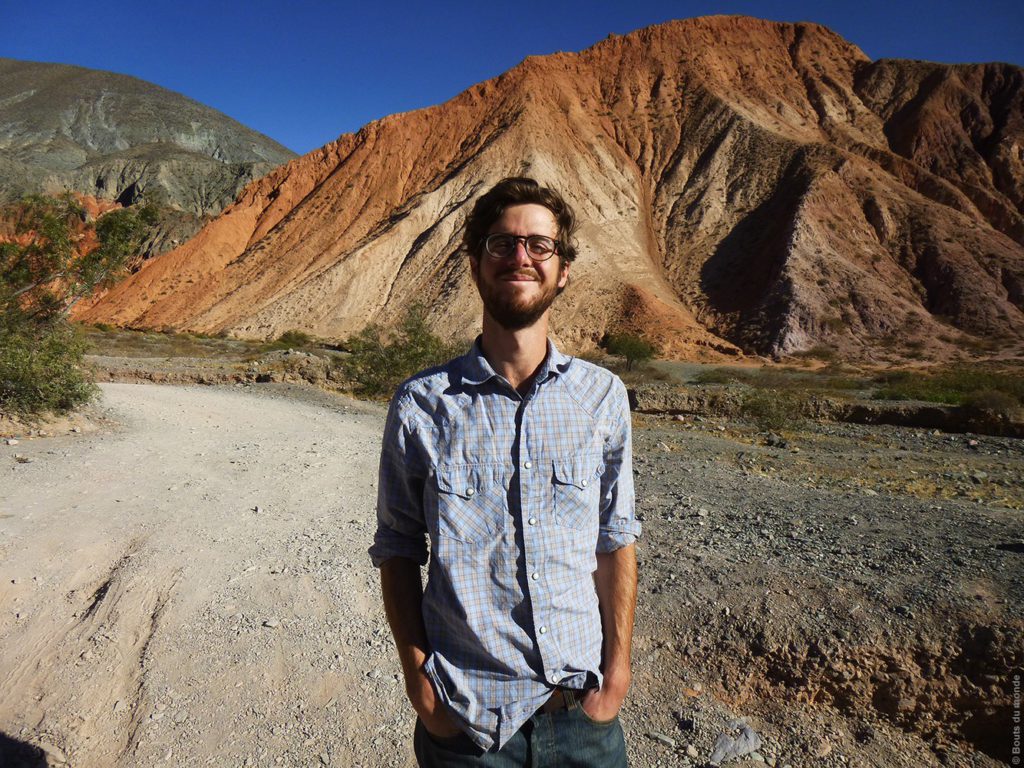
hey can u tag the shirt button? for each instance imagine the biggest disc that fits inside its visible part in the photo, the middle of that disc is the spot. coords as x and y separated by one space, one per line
532 521
535 576
543 630
583 483
528 464
470 491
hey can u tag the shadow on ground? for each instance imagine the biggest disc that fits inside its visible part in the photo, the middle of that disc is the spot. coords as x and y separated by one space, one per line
19 754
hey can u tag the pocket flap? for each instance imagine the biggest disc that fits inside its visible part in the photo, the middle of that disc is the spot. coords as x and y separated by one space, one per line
580 471
464 481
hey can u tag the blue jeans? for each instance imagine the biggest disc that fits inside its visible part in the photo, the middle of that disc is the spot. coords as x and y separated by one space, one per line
564 739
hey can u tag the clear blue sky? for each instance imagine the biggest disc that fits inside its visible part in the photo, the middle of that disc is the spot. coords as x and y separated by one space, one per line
304 72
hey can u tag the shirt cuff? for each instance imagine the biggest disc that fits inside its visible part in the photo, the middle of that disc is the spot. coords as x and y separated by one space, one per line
609 541
387 546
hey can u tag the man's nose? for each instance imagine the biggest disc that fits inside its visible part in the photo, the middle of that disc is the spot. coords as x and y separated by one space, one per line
520 254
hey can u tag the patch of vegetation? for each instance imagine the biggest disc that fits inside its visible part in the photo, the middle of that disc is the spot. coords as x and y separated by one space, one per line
293 339
833 378
952 386
49 262
633 348
379 361
41 370
773 410
817 352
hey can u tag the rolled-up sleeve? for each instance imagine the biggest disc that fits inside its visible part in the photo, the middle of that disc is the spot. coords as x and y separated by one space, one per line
401 530
618 524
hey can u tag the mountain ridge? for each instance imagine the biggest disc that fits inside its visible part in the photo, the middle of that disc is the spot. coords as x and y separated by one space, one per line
117 137
733 184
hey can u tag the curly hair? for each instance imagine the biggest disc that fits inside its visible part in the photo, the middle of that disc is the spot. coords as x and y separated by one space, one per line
519 190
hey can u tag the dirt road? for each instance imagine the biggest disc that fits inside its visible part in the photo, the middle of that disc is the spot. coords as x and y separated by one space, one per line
194 589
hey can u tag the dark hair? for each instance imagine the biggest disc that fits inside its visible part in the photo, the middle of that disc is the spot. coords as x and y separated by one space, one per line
519 190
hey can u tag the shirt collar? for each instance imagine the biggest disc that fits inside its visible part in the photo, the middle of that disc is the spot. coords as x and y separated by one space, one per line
476 369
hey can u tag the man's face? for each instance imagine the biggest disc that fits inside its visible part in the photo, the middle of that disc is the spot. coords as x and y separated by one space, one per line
517 290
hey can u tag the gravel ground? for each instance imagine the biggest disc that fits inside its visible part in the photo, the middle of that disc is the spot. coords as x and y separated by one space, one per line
183 581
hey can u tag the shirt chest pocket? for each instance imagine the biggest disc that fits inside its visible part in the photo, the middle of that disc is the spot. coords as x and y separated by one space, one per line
577 491
471 502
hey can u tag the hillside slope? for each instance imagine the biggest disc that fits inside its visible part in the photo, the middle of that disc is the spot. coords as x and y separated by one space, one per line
745 186
118 138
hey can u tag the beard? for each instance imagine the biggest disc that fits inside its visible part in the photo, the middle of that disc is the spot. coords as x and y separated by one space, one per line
513 312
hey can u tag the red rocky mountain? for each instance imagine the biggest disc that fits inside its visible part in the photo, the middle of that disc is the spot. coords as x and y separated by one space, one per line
746 186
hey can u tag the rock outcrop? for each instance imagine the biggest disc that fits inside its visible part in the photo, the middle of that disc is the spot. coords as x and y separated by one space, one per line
746 186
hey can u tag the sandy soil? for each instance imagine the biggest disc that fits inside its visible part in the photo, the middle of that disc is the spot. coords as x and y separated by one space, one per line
188 585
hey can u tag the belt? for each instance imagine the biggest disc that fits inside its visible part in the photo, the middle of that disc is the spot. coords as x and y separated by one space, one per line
562 698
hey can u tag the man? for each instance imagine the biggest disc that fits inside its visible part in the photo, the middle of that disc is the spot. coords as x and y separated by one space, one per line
514 460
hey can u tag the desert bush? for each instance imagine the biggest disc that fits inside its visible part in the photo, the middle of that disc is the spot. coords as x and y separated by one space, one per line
952 386
41 369
993 402
291 339
44 271
717 376
633 348
379 361
817 352
759 378
773 410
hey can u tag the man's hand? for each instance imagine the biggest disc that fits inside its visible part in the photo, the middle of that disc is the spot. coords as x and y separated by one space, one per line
603 704
429 707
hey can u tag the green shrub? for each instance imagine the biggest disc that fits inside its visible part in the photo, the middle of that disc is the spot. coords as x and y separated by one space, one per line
951 386
730 375
716 376
817 352
772 410
633 348
993 402
41 370
42 275
293 338
380 361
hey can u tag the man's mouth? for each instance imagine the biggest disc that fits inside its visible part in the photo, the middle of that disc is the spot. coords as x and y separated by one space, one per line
519 277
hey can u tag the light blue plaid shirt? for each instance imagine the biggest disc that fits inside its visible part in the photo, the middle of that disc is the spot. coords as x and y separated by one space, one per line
516 494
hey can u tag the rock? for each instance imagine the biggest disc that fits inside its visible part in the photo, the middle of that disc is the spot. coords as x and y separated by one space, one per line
662 739
52 751
272 623
691 751
728 747
822 749
12 441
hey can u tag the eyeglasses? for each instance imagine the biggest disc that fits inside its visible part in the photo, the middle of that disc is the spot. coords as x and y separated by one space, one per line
538 247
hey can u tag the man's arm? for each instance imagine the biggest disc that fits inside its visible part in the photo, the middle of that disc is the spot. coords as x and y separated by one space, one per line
403 600
615 577
615 581
399 549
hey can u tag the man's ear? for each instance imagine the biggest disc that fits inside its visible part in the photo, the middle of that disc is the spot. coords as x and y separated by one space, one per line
563 275
474 267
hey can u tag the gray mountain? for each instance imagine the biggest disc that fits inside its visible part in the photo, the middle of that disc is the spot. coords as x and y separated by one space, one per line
116 137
